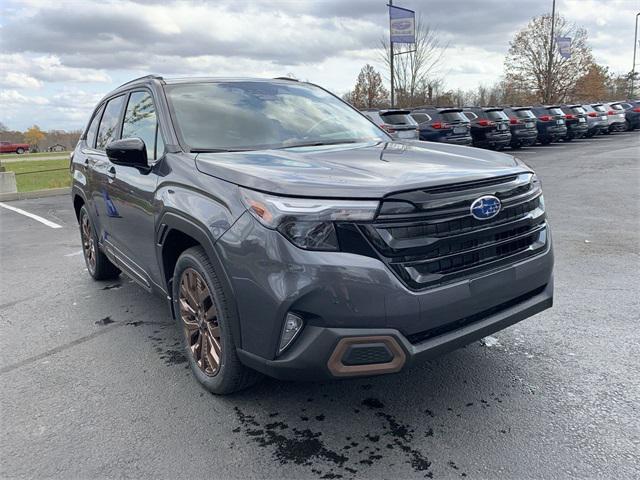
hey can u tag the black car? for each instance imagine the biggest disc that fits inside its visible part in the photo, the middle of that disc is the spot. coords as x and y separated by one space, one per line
489 127
291 236
447 125
632 113
522 123
551 123
576 121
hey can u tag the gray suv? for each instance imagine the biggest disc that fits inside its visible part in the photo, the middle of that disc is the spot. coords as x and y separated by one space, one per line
294 238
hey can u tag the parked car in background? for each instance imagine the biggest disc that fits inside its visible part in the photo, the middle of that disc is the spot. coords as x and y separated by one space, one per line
11 147
550 123
522 123
602 109
447 125
631 113
56 148
597 121
617 117
576 121
489 127
397 123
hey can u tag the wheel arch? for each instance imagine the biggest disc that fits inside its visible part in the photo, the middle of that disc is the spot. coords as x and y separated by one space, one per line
175 234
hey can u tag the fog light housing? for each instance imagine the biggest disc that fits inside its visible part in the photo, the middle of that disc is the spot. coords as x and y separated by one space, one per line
290 330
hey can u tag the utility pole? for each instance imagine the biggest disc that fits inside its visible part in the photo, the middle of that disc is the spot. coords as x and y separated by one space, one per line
547 95
635 45
391 59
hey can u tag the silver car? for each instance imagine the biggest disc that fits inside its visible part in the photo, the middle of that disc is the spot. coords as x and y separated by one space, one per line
597 119
617 119
397 123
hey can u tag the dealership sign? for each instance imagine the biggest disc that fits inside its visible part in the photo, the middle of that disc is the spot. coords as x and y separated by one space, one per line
403 25
564 46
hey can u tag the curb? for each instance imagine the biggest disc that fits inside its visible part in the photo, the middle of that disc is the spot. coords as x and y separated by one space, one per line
51 192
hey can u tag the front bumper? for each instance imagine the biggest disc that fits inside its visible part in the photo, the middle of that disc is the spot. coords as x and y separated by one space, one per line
343 295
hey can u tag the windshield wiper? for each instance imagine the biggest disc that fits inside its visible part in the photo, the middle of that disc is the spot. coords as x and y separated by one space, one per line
219 150
315 144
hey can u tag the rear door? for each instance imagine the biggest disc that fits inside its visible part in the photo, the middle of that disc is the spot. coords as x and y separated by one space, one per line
101 168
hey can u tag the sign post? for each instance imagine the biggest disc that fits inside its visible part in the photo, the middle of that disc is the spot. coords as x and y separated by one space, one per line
402 29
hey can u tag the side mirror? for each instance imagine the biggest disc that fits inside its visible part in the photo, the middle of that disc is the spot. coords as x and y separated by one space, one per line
128 152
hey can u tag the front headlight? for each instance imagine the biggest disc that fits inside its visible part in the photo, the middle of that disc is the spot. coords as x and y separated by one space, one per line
307 222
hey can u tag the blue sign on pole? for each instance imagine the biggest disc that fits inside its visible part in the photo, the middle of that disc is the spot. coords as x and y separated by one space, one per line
403 25
564 46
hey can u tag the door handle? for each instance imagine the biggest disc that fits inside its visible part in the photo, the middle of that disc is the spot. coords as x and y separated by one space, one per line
111 172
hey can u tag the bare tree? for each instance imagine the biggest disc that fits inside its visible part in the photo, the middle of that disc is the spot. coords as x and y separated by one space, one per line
527 63
416 66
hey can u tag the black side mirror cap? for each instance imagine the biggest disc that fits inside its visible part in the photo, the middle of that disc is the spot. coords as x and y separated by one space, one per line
128 152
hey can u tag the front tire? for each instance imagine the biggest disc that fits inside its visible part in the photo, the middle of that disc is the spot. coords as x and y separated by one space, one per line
98 265
204 318
20 151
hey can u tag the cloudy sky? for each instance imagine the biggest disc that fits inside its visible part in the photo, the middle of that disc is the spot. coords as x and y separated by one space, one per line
58 57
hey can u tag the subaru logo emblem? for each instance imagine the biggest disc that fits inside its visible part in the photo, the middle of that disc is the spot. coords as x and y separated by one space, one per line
485 207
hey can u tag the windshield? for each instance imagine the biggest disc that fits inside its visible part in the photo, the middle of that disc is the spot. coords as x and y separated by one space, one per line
524 114
497 115
261 115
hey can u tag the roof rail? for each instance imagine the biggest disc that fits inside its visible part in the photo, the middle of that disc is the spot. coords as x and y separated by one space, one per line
150 77
286 78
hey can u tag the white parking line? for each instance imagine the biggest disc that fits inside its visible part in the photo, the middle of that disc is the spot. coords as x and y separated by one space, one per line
31 215
79 252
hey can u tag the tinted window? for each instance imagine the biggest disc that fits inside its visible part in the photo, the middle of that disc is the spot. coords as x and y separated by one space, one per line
497 115
421 117
556 111
617 106
599 108
626 105
470 115
453 117
524 114
140 121
578 110
259 115
109 123
93 129
398 119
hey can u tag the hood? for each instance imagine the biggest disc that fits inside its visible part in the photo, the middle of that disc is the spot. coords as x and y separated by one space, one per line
364 170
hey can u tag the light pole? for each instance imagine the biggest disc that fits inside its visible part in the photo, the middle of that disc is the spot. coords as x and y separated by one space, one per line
390 4
549 65
635 46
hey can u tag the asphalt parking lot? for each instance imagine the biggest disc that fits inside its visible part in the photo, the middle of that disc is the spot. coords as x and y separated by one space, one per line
93 384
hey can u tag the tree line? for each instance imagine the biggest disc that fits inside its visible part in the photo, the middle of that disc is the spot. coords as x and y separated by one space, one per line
40 140
533 73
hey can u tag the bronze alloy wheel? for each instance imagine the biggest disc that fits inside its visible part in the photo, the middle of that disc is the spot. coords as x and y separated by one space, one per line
200 322
88 244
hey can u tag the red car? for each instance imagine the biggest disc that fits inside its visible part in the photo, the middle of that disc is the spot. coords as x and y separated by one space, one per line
10 147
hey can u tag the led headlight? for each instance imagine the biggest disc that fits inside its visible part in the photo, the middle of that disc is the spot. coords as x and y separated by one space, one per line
307 222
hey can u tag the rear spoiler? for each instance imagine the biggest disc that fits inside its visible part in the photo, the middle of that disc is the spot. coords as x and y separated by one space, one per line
394 112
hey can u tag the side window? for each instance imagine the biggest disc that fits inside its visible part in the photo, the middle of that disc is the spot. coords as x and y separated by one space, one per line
140 121
93 128
109 123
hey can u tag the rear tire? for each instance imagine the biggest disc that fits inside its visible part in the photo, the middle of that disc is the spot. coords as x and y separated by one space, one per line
204 318
98 265
20 151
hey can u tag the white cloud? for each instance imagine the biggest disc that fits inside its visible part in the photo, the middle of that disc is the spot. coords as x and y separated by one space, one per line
13 98
19 80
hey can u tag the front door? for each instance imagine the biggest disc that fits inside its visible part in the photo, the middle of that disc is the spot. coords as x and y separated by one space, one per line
131 193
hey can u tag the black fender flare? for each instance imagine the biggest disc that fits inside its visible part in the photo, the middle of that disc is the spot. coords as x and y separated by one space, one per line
189 226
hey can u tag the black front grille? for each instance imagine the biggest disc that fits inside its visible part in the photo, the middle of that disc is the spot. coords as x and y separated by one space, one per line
429 237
